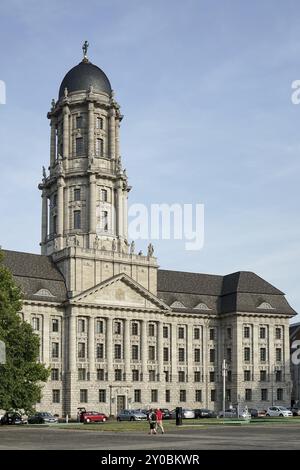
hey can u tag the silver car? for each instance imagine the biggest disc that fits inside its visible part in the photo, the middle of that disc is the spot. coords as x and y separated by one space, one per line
232 413
131 415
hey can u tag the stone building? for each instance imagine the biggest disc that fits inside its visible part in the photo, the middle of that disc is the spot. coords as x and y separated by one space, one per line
115 330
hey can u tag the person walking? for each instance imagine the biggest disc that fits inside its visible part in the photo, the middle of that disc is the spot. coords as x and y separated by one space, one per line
159 418
152 422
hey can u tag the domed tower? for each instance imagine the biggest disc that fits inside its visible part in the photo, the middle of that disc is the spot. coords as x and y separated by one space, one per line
84 209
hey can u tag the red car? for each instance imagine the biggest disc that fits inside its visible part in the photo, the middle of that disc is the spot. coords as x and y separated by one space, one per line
92 417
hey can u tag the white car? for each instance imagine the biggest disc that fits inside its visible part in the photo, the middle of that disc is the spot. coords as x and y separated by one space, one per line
279 411
232 413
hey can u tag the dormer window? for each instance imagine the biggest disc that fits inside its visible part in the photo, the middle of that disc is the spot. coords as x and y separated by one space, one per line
79 122
77 194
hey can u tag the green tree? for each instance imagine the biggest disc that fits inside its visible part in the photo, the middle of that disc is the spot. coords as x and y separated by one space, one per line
22 376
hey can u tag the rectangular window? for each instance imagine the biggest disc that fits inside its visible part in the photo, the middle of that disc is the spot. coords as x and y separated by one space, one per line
181 376
246 332
229 333
135 352
134 328
264 394
79 146
81 326
118 374
263 354
100 351
181 354
55 325
100 374
167 375
166 354
103 195
54 200
263 375
99 123
197 355
278 375
211 355
79 122
229 376
81 374
118 351
228 394
102 395
278 354
151 352
81 350
197 376
99 148
168 396
77 219
151 329
55 396
83 395
135 375
262 332
211 334
55 350
137 396
247 375
36 324
198 395
165 332
212 376
248 394
154 396
152 375
54 224
104 221
278 334
182 395
228 354
212 395
196 333
117 327
99 327
54 374
77 194
246 354
279 394
181 332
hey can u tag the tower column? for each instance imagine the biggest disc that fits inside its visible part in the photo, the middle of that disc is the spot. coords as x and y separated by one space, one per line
112 134
91 144
127 348
66 138
117 138
52 142
44 216
60 206
144 350
72 343
91 348
160 350
120 210
92 204
109 349
125 214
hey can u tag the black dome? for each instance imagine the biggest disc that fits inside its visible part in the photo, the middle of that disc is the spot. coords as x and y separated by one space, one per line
82 76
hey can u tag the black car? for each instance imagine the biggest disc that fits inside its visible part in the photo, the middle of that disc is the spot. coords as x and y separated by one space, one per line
12 417
204 413
166 413
42 418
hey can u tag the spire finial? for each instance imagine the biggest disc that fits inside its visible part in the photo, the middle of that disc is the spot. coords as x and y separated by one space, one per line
84 49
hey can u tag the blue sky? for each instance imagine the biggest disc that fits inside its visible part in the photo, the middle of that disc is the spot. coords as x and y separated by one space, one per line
205 87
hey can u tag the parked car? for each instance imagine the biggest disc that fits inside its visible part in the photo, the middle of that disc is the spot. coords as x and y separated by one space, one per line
295 410
42 418
255 413
279 411
166 413
92 417
187 413
13 417
131 415
204 413
233 413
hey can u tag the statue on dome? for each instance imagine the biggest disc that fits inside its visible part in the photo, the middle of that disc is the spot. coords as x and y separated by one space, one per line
85 49
150 250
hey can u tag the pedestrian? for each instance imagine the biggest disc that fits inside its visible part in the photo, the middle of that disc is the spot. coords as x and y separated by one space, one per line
152 422
159 418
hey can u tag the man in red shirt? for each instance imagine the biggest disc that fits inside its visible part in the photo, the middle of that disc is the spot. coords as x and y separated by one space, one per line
159 418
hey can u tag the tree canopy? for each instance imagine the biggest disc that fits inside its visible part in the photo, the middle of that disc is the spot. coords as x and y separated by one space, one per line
22 376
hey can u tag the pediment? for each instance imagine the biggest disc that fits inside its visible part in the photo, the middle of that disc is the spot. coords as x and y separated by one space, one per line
121 291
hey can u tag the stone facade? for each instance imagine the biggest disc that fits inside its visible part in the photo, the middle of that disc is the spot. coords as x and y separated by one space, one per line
116 331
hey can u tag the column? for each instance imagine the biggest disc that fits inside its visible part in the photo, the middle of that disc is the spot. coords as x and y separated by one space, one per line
66 210
60 206
127 349
174 353
144 350
189 354
44 217
52 142
91 145
160 351
117 137
66 113
91 346
92 204
112 134
109 349
125 215
120 209
72 343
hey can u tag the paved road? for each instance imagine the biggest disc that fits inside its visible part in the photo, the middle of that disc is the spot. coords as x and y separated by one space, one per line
210 437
